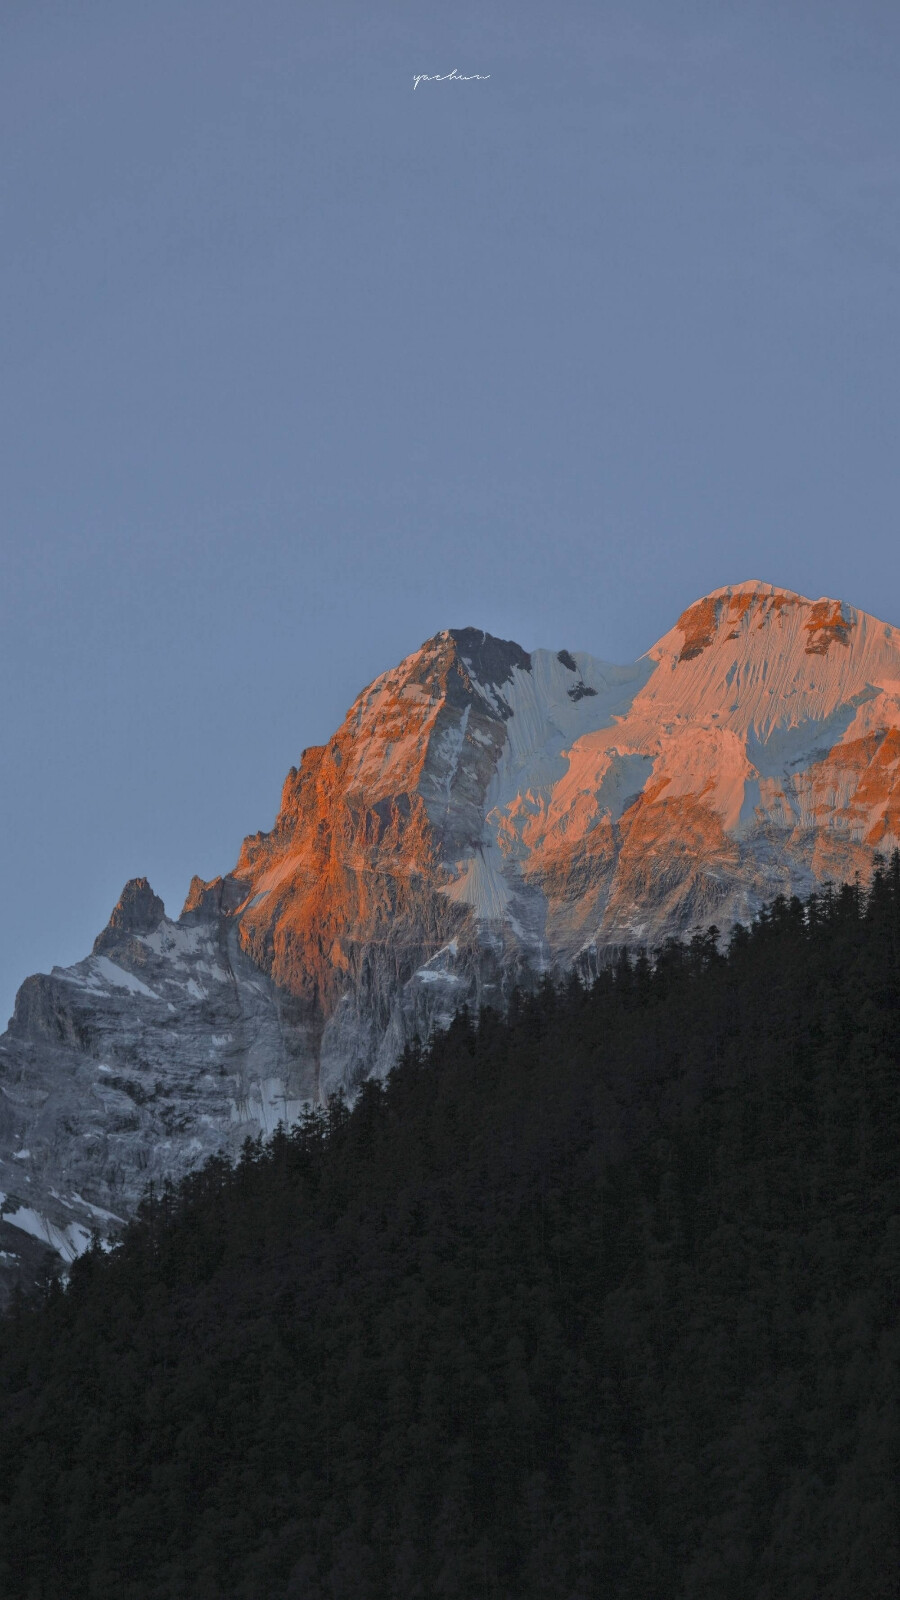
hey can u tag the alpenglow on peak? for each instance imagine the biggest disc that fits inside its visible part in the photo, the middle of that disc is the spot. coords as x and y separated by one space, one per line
483 815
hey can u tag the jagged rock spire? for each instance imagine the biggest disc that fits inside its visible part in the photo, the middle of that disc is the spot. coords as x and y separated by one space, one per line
137 910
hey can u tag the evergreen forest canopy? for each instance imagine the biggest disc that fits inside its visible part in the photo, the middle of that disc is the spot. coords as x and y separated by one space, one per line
597 1299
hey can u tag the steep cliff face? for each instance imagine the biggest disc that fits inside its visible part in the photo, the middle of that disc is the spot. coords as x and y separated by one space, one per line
482 812
482 815
381 898
133 1066
768 735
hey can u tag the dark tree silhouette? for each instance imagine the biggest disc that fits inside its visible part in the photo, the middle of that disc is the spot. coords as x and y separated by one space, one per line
599 1299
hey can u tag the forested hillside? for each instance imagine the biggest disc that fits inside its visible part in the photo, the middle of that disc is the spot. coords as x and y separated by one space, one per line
596 1300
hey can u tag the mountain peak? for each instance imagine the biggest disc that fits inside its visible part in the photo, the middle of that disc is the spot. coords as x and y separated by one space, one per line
490 660
137 910
735 611
755 586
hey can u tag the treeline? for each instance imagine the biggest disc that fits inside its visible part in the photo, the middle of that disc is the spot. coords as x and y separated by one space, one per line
597 1299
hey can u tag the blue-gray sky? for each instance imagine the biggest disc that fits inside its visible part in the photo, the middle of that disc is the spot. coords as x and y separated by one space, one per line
300 365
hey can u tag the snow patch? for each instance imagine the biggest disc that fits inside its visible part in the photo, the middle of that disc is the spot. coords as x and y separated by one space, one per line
266 1103
96 1211
119 978
481 884
171 939
68 1242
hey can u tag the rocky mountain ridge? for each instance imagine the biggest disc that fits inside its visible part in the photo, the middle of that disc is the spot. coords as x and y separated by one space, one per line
482 816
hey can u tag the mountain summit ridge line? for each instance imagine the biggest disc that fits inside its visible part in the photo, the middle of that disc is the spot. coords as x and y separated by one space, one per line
483 815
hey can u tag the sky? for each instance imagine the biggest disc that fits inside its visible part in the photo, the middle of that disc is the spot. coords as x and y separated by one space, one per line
300 364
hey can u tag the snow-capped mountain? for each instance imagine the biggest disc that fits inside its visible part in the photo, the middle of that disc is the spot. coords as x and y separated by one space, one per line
481 816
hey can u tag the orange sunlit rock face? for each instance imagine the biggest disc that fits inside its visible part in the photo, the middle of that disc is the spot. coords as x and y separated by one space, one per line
857 788
827 625
698 625
346 894
483 813
340 873
824 620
